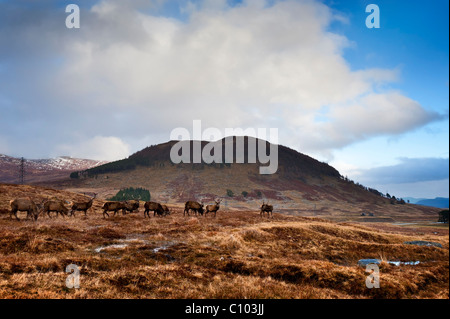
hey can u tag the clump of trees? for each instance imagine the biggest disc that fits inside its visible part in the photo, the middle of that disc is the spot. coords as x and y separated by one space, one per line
75 175
443 216
393 199
118 166
131 193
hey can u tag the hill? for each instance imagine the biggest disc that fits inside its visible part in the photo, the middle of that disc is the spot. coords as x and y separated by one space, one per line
37 170
439 202
302 186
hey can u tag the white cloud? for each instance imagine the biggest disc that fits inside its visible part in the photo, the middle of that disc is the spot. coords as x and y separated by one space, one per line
97 148
409 170
128 73
4 148
371 115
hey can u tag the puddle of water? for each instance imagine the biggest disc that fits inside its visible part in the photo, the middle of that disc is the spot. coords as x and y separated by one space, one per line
126 242
425 222
165 246
364 262
398 263
117 246
134 240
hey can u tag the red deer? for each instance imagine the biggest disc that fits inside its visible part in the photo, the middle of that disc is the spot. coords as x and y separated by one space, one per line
266 208
166 210
113 206
82 206
213 208
131 205
196 207
57 206
155 207
25 205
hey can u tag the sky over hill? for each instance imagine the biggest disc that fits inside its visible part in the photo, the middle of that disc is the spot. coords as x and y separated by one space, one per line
371 102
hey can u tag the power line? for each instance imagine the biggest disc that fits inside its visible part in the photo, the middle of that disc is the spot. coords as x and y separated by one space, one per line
22 170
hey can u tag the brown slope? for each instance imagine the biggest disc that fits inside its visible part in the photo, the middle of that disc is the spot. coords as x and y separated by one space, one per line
236 255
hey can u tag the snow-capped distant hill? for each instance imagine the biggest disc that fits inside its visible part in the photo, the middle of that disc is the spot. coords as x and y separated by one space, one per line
42 169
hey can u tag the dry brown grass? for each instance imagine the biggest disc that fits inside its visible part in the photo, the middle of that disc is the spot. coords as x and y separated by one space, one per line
236 255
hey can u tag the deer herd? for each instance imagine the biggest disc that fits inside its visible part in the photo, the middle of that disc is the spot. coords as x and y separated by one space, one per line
59 207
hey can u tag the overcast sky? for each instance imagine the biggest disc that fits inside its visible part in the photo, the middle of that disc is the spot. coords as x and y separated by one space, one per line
371 102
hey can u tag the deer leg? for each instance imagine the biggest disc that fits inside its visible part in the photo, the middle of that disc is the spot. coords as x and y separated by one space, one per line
14 212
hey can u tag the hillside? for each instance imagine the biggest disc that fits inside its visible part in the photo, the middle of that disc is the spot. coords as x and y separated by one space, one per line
37 170
439 202
292 164
302 186
236 255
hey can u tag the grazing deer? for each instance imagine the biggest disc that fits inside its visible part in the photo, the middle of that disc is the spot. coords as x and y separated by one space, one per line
81 206
25 205
213 208
266 208
196 207
57 206
113 207
157 208
131 205
166 210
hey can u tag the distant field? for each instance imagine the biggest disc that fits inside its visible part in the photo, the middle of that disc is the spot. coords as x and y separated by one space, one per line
238 254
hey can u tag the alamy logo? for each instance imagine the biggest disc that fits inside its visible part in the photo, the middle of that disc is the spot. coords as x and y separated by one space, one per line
212 152
373 19
373 280
73 280
73 19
